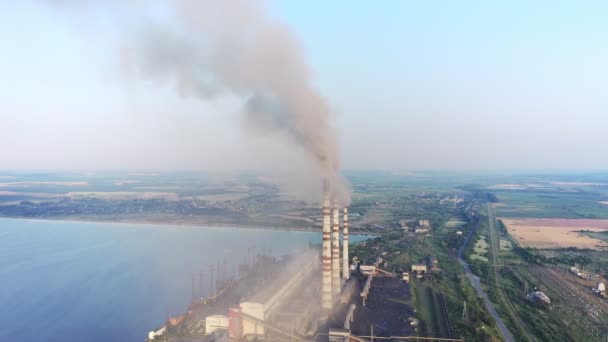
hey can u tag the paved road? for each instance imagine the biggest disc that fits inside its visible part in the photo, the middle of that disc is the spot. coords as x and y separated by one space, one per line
480 292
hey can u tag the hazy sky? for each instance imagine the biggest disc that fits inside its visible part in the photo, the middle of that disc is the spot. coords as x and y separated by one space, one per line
412 84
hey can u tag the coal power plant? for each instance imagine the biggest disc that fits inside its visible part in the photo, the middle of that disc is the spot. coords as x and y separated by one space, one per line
312 295
289 308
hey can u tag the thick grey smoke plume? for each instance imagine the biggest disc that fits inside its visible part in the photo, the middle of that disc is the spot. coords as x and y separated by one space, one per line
209 48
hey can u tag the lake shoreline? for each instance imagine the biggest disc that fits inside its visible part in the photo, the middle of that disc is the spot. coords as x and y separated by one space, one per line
177 225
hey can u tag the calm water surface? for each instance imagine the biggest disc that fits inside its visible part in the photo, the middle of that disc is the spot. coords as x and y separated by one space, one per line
78 281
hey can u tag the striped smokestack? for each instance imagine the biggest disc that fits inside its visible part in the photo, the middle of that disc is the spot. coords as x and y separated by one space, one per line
345 262
326 295
335 254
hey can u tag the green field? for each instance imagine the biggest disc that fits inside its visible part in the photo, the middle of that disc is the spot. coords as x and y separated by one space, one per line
454 223
526 204
597 235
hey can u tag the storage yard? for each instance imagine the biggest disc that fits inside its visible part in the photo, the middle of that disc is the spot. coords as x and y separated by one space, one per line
386 309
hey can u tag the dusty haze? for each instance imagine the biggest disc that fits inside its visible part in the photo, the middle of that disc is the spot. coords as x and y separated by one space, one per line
218 50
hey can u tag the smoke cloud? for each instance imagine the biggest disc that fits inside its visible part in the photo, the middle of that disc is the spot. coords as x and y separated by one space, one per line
208 49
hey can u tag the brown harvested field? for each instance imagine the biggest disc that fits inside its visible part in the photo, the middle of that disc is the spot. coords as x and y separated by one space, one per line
556 233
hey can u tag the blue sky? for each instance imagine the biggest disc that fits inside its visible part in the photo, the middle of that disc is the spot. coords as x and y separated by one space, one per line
413 84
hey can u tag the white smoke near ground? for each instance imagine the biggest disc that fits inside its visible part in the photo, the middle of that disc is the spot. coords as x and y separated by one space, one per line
209 49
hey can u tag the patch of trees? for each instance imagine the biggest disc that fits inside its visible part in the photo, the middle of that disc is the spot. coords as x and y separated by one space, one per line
571 259
529 255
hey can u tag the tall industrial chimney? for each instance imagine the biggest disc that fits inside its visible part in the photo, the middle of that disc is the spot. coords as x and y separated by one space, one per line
200 284
193 293
326 295
345 261
335 254
211 285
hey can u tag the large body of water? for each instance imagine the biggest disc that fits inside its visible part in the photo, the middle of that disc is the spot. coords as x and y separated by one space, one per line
78 281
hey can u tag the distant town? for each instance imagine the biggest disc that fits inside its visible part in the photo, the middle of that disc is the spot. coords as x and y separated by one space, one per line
252 203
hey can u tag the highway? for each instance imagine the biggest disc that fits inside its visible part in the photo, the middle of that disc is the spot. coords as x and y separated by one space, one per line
475 282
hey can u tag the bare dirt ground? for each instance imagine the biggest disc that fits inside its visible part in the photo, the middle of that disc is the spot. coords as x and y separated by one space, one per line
556 233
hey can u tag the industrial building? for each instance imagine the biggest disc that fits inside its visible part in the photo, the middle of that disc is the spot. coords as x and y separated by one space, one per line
285 307
419 268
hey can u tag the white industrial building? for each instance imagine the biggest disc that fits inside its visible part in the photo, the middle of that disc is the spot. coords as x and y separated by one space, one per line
424 223
419 268
263 306
154 334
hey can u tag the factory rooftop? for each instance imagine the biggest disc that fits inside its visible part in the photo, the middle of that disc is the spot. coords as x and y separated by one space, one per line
280 277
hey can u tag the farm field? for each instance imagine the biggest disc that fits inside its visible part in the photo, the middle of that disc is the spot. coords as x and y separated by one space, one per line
123 195
569 202
557 233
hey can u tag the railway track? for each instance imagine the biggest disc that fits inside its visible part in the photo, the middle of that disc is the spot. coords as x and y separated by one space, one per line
434 313
438 323
556 285
494 243
581 317
446 318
